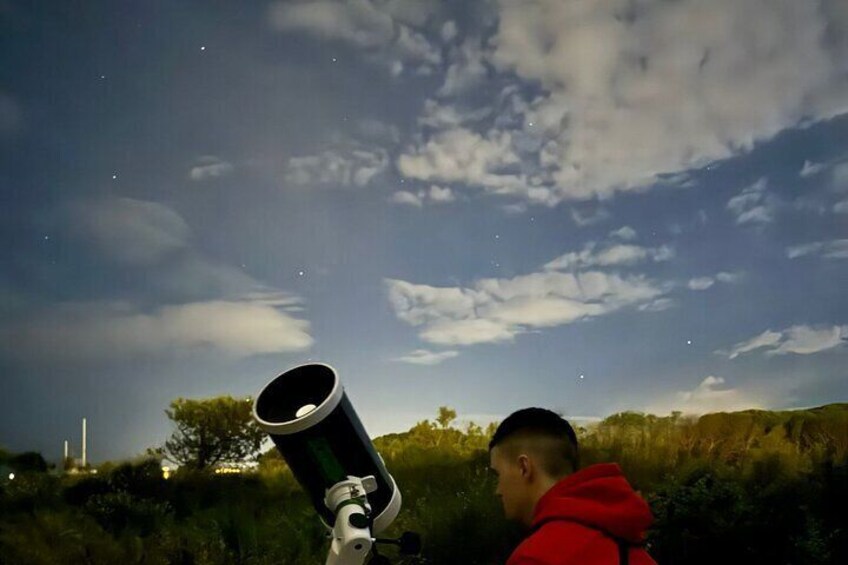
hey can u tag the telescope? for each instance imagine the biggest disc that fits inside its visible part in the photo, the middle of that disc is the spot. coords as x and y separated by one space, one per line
313 425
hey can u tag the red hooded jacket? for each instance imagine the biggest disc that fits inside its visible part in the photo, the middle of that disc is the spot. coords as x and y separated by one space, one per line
573 522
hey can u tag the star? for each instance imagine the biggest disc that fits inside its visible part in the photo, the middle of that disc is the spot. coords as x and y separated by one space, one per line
203 48
497 236
46 237
114 176
582 377
300 273
530 124
334 59
102 77
688 342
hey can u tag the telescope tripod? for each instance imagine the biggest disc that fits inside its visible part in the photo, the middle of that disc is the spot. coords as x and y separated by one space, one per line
351 533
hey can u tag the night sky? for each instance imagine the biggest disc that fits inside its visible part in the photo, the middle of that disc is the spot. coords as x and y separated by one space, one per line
586 205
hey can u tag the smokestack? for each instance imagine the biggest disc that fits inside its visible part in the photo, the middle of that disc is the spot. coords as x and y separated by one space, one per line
83 443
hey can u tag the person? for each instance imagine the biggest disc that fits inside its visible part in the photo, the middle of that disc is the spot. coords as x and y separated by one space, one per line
590 516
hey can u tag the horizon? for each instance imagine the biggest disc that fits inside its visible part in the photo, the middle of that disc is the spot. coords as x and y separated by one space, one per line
582 206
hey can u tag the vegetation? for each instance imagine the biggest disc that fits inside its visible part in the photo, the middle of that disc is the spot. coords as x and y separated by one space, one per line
211 432
753 486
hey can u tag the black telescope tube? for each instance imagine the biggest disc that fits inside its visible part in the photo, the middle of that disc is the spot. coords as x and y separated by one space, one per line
314 427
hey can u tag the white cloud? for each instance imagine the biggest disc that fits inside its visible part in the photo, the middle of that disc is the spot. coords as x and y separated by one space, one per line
707 397
209 167
754 204
729 278
427 357
841 207
809 169
657 87
349 167
462 156
495 310
834 249
466 70
801 339
701 283
434 195
112 331
206 303
625 233
406 198
605 256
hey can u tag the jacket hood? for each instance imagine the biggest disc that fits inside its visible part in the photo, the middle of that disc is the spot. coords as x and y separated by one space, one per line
600 497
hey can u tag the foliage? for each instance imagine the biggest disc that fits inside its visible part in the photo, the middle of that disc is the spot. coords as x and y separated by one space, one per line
754 486
211 432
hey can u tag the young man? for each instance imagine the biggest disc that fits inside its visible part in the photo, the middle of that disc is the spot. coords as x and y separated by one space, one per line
588 516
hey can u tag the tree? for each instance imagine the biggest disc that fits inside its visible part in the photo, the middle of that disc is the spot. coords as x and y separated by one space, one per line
211 431
446 416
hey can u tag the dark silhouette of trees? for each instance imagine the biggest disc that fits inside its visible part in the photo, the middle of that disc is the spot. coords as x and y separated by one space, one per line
211 432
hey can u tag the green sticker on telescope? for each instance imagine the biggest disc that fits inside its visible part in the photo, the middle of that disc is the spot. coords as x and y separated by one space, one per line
330 467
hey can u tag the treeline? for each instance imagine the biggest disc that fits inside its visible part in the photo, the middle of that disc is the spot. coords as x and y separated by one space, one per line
752 486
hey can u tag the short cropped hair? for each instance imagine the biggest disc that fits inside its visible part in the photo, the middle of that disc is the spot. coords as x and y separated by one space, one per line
551 435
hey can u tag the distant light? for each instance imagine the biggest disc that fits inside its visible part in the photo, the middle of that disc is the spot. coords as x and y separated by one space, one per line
114 177
94 471
300 273
582 376
304 410
530 124
166 472
102 77
688 342
46 237
334 59
11 476
203 48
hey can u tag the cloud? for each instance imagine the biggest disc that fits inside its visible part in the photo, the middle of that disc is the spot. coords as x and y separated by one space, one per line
435 195
449 31
625 233
356 21
134 232
591 218
461 156
801 340
701 283
444 116
201 303
104 331
380 28
594 255
834 249
809 169
644 89
839 177
754 205
496 310
707 397
209 167
729 278
427 357
841 207
465 71
345 168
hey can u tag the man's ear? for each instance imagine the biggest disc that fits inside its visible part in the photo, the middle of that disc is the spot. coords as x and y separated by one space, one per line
525 466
